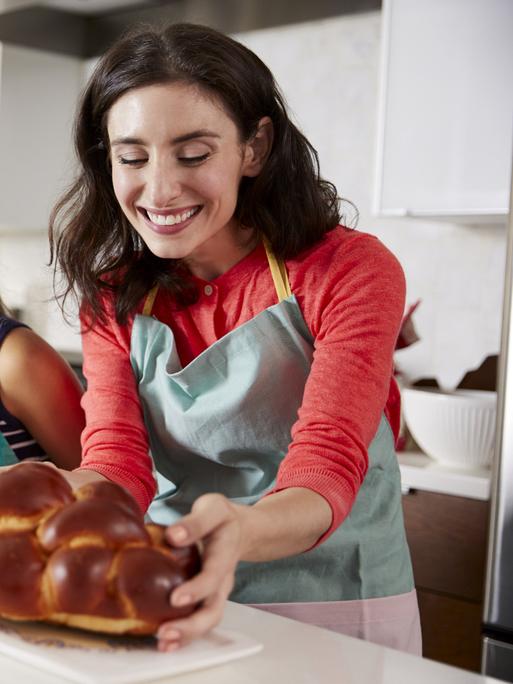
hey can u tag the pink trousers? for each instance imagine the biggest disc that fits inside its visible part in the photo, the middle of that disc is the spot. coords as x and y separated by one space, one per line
392 621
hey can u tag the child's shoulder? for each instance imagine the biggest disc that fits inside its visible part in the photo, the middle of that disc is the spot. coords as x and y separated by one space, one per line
27 359
7 325
21 346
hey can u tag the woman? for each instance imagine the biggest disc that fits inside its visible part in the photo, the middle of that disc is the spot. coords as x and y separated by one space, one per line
40 413
237 343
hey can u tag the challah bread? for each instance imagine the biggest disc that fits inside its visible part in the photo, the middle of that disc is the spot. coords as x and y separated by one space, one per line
84 558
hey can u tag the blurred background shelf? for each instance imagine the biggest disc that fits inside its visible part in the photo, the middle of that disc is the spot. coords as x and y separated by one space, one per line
419 471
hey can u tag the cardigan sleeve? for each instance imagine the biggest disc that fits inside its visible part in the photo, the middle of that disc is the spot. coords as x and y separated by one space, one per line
354 311
114 441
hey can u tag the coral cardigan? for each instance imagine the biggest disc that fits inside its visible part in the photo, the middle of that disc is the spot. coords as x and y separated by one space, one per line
351 292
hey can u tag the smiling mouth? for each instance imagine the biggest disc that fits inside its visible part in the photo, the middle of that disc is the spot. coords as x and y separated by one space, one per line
171 219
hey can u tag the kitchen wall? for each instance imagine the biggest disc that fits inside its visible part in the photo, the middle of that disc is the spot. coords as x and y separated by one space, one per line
26 284
328 71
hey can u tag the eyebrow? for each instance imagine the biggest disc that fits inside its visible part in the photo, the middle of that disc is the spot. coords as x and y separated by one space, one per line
201 133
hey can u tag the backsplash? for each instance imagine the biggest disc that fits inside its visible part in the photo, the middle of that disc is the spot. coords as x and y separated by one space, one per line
26 284
328 72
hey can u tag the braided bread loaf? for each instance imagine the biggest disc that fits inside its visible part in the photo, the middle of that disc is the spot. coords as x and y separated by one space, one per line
84 558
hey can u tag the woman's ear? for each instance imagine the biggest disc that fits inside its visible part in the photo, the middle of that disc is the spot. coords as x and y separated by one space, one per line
258 148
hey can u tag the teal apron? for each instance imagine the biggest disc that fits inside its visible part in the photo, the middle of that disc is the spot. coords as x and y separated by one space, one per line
7 455
222 424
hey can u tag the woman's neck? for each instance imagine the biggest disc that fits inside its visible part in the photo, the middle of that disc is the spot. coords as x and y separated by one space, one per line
221 252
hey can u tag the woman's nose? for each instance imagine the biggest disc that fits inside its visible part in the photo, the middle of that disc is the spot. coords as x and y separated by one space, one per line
163 186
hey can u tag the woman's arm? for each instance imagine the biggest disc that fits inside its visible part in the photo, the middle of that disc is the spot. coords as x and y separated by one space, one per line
41 390
115 440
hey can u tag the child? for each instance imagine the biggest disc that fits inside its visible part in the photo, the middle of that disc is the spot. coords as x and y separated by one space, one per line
40 413
237 341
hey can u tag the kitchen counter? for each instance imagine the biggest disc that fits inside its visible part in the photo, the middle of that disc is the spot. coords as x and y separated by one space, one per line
419 471
293 652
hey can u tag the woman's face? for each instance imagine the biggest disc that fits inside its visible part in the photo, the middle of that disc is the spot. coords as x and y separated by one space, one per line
177 162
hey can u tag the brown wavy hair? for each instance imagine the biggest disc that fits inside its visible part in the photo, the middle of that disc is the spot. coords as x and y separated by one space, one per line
92 242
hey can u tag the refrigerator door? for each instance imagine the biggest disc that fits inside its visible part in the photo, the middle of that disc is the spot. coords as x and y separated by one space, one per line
498 659
499 588
498 612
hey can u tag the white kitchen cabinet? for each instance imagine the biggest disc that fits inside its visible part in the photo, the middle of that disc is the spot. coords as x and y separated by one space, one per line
445 121
38 97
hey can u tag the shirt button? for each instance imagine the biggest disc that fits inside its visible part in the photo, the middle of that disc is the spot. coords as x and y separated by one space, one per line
208 289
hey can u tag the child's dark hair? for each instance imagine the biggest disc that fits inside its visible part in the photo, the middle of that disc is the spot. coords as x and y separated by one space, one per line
287 202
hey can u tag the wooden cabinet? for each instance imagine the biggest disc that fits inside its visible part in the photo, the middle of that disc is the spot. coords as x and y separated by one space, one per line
447 536
445 123
38 97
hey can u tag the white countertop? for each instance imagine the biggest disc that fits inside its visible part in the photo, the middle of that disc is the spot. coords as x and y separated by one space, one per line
293 652
419 471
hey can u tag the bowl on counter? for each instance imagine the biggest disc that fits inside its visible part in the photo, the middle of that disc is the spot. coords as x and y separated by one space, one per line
455 428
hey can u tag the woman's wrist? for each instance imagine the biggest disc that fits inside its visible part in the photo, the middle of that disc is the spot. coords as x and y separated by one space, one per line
82 476
252 523
282 524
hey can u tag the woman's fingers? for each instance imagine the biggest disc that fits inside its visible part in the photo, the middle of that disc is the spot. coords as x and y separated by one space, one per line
207 513
220 559
176 633
221 550
215 523
168 646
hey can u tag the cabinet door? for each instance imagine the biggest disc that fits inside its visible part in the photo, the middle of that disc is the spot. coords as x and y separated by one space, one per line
38 97
447 536
451 630
446 109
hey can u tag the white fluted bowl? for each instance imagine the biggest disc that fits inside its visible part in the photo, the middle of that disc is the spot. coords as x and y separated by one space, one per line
455 428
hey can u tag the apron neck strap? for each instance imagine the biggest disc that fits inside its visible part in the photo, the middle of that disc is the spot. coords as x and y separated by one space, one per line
278 272
150 300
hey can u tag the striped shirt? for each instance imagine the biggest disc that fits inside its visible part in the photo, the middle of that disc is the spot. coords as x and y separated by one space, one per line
14 431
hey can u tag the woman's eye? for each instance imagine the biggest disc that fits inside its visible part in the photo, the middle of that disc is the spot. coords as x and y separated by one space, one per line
191 161
131 162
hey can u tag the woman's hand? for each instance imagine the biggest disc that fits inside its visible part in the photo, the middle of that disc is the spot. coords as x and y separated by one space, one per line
282 524
217 524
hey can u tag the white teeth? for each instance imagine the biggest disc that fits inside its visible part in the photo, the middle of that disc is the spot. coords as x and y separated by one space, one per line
171 220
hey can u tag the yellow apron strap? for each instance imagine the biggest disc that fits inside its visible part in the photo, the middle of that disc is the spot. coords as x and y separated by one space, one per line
150 300
279 274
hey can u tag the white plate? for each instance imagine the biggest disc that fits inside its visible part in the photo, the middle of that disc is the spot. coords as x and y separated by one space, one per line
99 659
